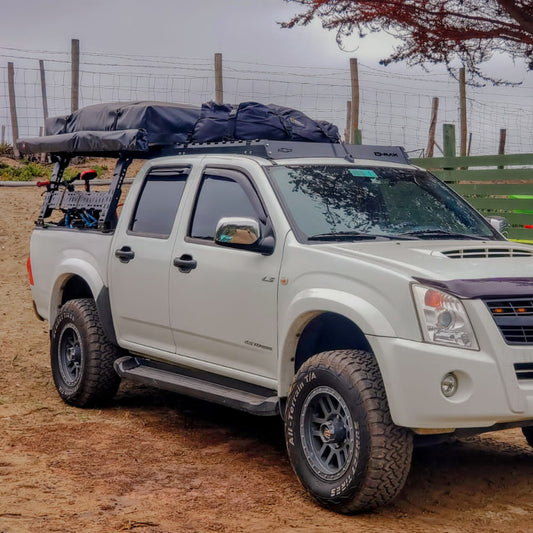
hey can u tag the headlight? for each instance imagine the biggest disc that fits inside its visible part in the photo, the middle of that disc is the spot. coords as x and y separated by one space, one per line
443 318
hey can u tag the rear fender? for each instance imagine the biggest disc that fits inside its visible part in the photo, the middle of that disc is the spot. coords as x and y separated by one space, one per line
68 268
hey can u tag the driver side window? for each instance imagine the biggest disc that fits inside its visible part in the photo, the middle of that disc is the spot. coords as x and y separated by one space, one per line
220 196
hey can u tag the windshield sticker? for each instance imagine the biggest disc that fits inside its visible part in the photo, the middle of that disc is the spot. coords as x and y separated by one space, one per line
362 173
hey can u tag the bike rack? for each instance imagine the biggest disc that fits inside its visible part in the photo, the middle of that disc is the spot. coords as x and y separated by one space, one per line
106 202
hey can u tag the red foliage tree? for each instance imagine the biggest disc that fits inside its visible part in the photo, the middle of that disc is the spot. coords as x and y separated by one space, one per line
433 31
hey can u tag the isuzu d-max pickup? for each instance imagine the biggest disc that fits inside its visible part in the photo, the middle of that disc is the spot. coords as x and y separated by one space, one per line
340 287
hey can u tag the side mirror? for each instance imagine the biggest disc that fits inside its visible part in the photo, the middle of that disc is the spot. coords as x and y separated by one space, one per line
237 231
499 223
244 233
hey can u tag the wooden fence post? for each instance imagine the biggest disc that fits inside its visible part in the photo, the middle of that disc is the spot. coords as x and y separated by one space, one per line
448 134
501 144
43 89
3 137
355 132
75 75
13 107
42 156
503 138
432 127
219 89
462 98
348 121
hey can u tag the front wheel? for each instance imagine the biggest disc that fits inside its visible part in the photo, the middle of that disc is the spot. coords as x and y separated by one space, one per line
340 437
81 356
528 434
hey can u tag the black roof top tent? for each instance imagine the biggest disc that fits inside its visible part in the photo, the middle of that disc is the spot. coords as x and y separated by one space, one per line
144 130
150 129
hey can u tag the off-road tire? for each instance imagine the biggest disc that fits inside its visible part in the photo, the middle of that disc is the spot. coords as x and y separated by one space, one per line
340 395
528 434
81 356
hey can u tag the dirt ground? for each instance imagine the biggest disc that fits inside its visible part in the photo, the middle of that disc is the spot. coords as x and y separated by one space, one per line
160 462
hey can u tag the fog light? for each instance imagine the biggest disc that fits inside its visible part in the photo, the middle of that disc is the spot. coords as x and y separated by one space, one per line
448 385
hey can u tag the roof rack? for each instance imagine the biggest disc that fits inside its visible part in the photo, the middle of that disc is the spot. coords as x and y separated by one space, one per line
131 144
103 204
290 150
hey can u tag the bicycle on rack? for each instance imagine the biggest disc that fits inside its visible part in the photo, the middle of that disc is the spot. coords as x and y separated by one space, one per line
74 215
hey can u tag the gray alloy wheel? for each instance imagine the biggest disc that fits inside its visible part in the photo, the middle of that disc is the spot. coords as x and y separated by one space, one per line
341 440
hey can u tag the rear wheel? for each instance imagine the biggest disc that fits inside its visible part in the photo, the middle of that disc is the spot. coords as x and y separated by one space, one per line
340 437
528 434
81 356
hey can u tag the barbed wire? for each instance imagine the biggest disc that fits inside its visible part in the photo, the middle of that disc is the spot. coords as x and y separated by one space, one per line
395 108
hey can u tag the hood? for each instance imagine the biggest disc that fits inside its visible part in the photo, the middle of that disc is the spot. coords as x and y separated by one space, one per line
443 260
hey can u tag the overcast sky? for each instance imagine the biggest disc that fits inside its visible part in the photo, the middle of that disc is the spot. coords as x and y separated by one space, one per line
242 30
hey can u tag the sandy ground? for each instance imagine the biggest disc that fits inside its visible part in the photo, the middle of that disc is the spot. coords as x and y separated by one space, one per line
160 462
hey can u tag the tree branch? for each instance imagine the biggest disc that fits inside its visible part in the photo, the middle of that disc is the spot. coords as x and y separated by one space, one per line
524 19
432 30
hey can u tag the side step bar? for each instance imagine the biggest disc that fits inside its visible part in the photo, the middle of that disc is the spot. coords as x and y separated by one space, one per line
198 385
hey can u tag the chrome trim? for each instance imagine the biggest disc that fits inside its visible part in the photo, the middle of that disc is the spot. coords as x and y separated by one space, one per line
237 230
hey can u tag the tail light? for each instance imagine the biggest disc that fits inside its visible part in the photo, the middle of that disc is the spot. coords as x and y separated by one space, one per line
28 266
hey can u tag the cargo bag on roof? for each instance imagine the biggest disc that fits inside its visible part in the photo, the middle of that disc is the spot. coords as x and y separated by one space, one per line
252 120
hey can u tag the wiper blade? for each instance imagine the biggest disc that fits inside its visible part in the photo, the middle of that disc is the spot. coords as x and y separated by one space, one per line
355 235
440 233
341 236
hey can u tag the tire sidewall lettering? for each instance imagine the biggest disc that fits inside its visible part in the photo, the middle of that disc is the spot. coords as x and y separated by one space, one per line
338 490
303 386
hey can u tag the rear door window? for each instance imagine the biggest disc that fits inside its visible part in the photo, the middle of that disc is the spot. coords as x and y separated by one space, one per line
158 203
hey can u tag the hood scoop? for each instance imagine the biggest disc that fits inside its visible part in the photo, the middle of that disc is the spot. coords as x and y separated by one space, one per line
485 253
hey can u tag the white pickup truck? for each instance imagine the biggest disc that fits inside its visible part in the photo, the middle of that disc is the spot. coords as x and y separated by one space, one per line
355 295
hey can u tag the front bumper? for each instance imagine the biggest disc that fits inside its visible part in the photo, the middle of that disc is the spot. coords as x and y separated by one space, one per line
489 391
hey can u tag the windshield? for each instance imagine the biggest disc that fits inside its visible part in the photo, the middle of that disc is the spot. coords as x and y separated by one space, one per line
354 203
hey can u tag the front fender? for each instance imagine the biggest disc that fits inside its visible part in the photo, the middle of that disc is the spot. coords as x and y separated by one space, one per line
309 303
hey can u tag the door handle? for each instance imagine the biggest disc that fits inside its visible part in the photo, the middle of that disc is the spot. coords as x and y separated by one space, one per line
125 254
185 263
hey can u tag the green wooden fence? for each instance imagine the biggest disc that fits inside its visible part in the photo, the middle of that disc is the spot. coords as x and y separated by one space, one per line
501 191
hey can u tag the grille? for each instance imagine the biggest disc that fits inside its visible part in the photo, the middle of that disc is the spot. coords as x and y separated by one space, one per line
484 253
511 307
524 370
517 334
514 318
